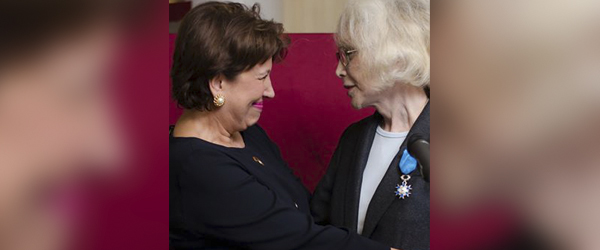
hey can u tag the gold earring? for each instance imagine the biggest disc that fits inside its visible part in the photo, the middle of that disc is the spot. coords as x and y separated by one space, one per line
219 100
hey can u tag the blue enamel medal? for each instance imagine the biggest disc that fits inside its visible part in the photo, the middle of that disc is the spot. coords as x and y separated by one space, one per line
407 165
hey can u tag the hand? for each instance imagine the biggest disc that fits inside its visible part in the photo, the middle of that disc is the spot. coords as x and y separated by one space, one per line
394 248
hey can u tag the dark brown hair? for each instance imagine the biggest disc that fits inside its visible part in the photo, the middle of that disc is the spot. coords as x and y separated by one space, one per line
220 39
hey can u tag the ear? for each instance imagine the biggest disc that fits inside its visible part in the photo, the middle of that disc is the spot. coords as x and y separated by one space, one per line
216 85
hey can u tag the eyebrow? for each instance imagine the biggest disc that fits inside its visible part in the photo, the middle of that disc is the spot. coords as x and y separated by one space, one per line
265 73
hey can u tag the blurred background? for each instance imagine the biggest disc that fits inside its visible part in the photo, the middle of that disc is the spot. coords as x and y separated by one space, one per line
83 142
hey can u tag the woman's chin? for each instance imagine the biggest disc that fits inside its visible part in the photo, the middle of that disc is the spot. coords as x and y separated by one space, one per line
251 122
357 104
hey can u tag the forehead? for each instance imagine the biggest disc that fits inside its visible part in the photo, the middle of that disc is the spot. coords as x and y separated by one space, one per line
262 68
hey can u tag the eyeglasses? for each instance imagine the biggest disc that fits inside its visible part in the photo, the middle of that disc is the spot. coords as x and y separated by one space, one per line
343 56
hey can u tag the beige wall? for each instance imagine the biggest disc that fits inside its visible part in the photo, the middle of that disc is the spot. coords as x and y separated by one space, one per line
297 16
311 16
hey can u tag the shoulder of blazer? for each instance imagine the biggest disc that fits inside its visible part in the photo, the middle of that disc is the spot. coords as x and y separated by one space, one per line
205 154
358 128
421 125
257 133
256 129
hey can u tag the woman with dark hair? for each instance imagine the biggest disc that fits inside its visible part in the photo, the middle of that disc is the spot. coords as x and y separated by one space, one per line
229 187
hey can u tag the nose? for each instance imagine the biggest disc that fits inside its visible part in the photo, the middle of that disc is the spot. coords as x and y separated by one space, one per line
269 91
340 71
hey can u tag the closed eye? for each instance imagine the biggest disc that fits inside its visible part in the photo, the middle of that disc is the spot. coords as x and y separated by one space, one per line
264 77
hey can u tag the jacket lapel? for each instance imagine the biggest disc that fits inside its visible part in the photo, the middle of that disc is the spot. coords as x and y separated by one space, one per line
384 195
358 161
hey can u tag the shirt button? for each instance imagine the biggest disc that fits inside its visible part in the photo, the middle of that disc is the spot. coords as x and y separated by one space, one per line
296 204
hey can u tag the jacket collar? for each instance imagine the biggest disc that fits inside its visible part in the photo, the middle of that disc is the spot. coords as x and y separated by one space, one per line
384 196
358 161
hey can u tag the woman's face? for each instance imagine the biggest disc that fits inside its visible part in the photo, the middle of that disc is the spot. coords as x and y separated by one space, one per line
245 94
361 88
57 128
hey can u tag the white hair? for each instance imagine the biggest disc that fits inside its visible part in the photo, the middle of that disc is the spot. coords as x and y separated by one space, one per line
391 38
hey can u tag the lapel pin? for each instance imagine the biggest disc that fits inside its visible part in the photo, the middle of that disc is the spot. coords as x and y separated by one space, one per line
258 160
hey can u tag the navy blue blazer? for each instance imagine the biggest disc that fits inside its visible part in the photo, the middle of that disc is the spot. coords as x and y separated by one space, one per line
232 198
402 224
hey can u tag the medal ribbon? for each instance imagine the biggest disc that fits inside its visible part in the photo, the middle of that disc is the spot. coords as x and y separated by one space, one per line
407 163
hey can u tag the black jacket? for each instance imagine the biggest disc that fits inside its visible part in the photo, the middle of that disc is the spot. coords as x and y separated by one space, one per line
228 198
400 223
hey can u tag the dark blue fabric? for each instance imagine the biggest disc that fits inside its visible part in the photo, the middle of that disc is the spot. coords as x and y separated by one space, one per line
222 198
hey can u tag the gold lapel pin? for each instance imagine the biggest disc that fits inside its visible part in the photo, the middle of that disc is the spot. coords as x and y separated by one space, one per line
258 160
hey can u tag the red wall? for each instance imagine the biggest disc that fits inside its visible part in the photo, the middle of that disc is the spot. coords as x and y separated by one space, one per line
310 109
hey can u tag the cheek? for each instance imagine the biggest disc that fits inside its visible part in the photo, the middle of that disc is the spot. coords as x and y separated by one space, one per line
365 90
238 103
246 93
257 90
361 77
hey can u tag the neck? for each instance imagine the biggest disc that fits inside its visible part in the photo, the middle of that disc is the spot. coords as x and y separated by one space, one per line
400 107
207 126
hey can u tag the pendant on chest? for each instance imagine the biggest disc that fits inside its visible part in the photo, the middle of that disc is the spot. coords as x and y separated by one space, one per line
403 191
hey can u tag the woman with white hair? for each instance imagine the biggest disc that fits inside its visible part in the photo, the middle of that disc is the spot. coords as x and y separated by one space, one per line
372 184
